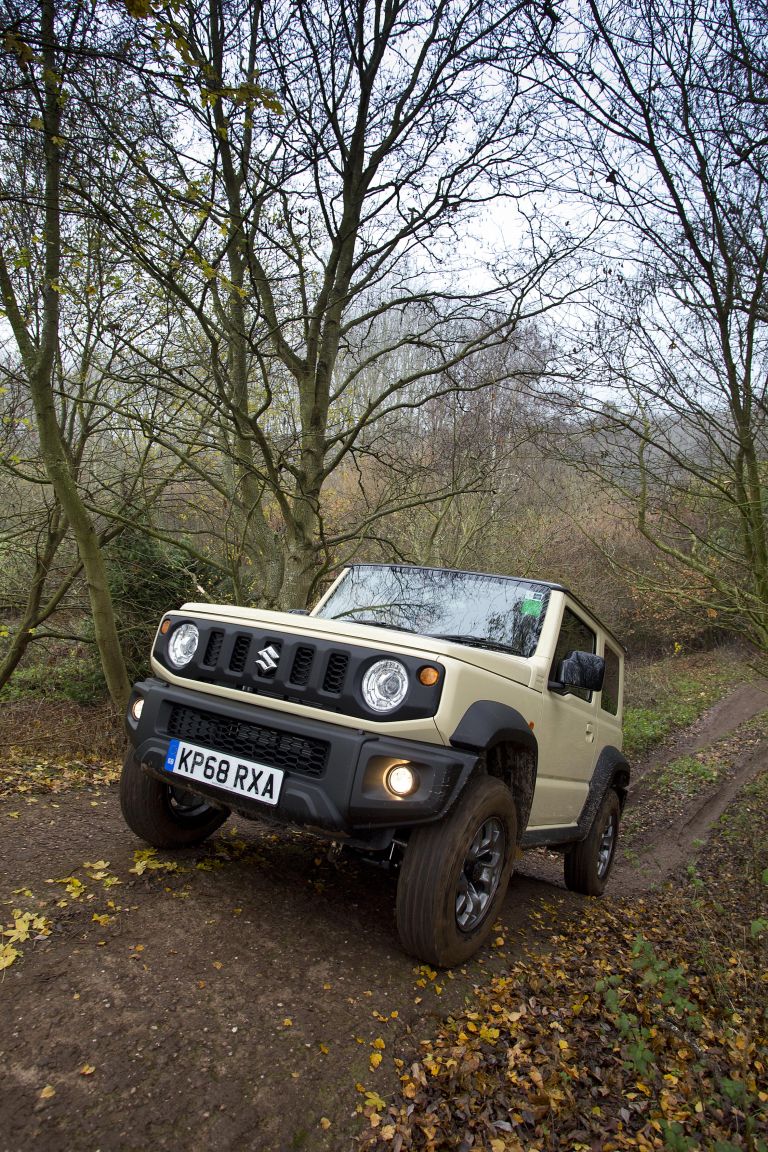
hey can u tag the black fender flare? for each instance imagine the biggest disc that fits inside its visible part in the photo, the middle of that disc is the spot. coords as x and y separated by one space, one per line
486 723
611 771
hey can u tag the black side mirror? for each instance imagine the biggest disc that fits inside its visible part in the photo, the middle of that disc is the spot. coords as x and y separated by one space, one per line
580 670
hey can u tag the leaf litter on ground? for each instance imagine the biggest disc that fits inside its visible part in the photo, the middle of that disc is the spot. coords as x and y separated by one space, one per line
644 1026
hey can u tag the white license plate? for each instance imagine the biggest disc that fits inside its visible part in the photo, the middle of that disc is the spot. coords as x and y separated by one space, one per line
245 778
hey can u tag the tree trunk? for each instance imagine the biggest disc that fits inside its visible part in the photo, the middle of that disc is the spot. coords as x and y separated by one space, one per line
39 356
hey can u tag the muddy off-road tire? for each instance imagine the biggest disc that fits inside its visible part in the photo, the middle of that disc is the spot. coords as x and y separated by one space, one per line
455 874
165 817
588 864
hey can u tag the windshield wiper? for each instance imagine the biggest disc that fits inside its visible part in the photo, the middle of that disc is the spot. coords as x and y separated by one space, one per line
382 624
476 642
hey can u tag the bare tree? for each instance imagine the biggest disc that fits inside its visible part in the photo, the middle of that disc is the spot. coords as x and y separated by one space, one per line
65 296
313 171
663 114
41 46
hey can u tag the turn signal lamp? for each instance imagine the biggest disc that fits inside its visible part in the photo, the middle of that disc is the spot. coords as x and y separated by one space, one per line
429 676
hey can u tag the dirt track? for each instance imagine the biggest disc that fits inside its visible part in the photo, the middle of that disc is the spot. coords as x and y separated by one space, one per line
233 1002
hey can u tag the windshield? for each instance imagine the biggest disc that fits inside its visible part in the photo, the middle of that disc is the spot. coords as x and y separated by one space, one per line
489 611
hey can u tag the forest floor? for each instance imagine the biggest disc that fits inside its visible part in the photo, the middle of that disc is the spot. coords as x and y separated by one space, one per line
251 993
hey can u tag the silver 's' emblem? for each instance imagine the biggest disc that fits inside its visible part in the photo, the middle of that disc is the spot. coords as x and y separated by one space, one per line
267 659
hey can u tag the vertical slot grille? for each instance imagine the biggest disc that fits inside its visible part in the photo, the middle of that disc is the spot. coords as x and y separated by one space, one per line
302 665
213 648
240 653
335 673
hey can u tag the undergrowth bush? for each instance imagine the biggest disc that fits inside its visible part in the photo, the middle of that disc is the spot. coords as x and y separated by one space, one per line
55 672
146 578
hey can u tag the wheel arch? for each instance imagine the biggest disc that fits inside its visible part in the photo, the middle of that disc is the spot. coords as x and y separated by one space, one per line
507 750
611 772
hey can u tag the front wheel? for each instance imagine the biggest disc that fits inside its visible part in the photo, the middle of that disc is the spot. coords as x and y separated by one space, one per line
455 874
588 864
164 816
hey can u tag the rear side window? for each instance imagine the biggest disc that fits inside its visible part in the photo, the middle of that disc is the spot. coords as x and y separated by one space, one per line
575 636
609 700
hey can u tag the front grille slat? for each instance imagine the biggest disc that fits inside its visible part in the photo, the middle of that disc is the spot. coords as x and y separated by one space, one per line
303 754
239 653
302 665
335 673
213 648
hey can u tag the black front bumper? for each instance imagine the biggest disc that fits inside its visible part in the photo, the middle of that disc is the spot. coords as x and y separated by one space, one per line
334 776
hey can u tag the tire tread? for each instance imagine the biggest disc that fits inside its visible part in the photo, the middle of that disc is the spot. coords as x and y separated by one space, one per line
147 812
580 864
422 928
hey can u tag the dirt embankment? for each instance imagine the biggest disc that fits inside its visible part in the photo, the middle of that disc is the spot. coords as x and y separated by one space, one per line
237 996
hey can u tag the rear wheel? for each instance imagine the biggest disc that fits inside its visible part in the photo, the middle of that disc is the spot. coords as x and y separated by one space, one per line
588 864
164 816
455 874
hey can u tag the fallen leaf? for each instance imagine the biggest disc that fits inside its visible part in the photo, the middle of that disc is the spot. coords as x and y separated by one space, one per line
7 955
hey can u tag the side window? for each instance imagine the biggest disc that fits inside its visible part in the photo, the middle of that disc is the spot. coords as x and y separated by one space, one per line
575 636
609 701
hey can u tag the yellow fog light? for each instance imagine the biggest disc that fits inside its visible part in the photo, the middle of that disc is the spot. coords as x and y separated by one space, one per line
137 707
402 780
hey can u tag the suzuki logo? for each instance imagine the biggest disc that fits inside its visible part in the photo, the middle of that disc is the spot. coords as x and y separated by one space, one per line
267 660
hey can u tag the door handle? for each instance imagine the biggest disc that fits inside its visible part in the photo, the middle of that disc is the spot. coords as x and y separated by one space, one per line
589 733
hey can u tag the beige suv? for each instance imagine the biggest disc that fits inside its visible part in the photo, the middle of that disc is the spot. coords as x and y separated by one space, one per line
435 719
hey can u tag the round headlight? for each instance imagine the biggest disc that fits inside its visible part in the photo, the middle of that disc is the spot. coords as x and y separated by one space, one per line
385 685
183 644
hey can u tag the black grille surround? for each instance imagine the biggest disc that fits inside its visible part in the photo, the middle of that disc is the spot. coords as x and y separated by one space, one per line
311 670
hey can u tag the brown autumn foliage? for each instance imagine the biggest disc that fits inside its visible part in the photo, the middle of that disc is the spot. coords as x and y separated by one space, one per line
644 1027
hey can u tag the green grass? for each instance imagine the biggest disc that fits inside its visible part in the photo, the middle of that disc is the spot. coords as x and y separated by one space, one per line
672 693
686 776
